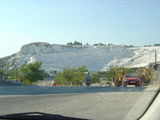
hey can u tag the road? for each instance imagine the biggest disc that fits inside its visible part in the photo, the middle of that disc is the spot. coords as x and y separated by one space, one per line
98 103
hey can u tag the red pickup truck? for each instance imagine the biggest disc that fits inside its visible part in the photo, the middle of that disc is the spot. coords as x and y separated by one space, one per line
131 79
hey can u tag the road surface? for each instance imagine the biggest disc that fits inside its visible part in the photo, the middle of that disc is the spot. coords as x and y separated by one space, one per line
98 103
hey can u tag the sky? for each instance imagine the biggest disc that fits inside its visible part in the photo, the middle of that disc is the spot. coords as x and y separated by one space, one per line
135 22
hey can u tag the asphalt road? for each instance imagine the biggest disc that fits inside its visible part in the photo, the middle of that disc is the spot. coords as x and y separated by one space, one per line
98 103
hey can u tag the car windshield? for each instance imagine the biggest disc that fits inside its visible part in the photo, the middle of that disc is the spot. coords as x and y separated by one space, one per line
71 57
131 76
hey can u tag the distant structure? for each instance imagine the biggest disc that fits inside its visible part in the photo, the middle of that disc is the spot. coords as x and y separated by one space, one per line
155 66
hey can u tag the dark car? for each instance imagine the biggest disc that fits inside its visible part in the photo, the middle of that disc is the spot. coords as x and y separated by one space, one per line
131 79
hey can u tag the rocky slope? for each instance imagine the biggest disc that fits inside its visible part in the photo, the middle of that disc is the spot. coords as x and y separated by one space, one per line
57 57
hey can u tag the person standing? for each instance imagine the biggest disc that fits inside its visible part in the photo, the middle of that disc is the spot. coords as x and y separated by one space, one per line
88 79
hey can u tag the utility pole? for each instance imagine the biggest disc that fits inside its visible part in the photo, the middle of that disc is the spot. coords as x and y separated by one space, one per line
155 57
155 64
156 69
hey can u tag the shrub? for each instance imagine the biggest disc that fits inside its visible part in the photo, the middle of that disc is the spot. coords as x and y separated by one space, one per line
71 76
30 73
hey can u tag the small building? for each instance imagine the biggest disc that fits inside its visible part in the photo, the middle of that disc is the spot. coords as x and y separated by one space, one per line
155 66
52 71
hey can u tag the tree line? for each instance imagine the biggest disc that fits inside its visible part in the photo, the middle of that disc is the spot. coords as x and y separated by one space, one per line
27 73
75 76
30 73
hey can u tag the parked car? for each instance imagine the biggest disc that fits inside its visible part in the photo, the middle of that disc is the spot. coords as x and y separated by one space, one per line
131 79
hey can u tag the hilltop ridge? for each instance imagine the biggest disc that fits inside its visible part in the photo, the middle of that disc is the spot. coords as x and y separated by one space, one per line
56 57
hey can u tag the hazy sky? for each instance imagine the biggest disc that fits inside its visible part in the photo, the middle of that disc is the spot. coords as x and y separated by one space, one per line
134 22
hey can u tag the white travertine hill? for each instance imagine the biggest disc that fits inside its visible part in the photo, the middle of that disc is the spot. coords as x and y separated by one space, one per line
96 58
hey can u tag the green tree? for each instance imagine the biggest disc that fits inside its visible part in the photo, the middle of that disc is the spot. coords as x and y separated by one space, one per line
3 73
12 74
74 43
83 69
110 74
30 73
116 72
71 76
95 77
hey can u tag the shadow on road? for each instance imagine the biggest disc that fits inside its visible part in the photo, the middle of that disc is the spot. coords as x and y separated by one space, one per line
35 90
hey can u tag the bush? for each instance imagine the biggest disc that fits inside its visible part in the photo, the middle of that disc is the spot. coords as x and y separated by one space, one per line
95 77
3 74
117 72
110 74
71 76
82 69
12 74
30 73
